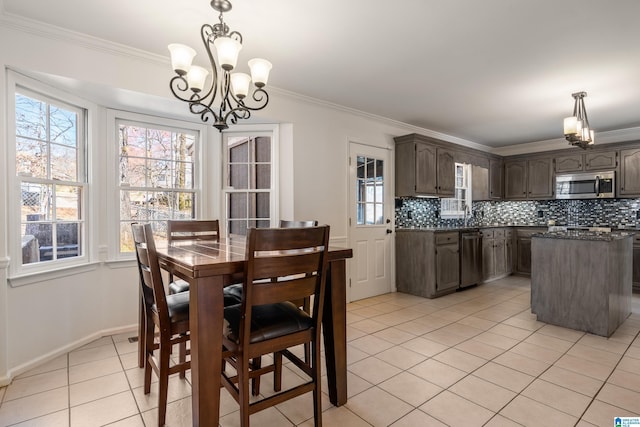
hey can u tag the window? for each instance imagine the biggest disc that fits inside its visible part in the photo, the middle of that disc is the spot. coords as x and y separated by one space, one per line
50 142
249 193
370 191
156 176
454 207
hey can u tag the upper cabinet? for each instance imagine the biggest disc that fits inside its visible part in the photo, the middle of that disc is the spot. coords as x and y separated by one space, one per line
605 160
630 172
496 183
528 179
424 169
479 183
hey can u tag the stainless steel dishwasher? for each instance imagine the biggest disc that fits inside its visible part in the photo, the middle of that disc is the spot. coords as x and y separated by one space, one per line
470 258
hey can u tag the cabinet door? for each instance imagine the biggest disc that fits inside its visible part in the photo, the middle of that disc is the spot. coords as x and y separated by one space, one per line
488 259
500 256
636 267
425 169
599 161
446 173
523 254
447 267
480 183
572 163
540 178
515 179
496 187
630 172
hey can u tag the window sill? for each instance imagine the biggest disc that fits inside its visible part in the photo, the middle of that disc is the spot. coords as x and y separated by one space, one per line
29 279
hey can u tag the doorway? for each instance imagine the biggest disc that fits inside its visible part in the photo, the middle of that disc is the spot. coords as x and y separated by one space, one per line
370 222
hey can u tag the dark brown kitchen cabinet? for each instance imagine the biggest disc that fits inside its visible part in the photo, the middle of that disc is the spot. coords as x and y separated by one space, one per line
496 187
604 160
427 262
523 251
496 259
446 179
424 170
480 183
540 178
528 179
636 262
515 179
630 172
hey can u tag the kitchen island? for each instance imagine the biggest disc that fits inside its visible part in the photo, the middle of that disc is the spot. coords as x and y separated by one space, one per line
582 280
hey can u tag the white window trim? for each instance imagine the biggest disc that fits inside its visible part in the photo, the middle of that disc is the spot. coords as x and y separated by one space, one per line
459 214
113 116
271 130
20 274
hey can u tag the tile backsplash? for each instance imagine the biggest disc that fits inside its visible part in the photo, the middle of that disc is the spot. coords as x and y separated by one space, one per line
615 213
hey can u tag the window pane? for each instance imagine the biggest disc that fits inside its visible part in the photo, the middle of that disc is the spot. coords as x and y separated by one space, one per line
36 202
32 158
238 153
238 176
360 172
133 171
263 149
31 117
262 205
238 227
63 125
68 202
68 240
238 205
40 235
159 144
63 163
263 176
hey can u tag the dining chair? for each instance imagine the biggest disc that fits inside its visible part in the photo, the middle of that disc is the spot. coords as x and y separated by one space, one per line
191 230
169 314
267 322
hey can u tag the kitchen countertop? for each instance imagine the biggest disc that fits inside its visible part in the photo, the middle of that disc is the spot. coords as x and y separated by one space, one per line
584 235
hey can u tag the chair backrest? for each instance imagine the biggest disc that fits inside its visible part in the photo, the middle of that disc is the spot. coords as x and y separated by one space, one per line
295 262
193 229
150 275
297 224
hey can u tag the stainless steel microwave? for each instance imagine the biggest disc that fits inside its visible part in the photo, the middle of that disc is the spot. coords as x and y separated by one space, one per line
592 185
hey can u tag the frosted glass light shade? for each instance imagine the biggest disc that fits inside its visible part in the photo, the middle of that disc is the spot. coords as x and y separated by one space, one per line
228 50
240 84
570 125
196 78
260 69
181 58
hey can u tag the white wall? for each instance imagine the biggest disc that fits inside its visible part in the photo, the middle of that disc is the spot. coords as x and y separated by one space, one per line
41 320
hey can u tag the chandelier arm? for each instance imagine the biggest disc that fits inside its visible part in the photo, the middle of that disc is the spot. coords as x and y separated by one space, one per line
180 84
206 32
204 111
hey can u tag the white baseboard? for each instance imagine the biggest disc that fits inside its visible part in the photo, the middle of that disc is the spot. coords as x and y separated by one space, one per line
34 363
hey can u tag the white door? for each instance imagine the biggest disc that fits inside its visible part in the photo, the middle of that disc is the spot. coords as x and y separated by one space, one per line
370 221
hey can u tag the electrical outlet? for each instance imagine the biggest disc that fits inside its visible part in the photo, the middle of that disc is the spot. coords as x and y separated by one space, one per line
637 214
540 214
409 215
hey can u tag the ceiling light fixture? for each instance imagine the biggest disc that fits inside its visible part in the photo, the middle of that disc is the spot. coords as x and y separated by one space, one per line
576 127
189 83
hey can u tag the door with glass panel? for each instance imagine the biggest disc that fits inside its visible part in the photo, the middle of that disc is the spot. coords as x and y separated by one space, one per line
370 221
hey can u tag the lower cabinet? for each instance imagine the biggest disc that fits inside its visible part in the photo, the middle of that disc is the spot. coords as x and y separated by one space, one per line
522 263
496 253
427 262
636 262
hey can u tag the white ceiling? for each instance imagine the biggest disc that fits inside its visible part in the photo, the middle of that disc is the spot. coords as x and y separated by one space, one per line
494 72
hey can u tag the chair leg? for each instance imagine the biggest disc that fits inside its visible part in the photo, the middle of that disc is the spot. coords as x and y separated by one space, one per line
277 371
182 358
148 350
163 386
256 363
317 395
243 389
142 336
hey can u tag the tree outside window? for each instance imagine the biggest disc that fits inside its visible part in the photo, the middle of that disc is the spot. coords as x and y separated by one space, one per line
156 177
50 171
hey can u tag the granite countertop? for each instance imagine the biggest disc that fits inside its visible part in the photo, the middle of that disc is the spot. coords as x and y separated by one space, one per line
476 227
584 235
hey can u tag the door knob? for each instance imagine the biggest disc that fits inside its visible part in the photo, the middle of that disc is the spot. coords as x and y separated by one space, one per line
389 231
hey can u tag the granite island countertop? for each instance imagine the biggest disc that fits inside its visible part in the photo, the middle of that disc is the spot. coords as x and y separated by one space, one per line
584 235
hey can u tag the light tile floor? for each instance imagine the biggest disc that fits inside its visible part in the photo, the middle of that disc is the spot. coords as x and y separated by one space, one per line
477 357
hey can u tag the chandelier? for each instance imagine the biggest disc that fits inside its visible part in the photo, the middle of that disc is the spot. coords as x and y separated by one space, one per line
224 99
576 127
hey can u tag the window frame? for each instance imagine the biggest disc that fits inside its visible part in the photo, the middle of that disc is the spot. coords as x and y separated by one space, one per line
251 131
450 213
19 273
114 118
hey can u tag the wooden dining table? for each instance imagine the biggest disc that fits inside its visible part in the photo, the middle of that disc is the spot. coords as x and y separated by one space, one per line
208 267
